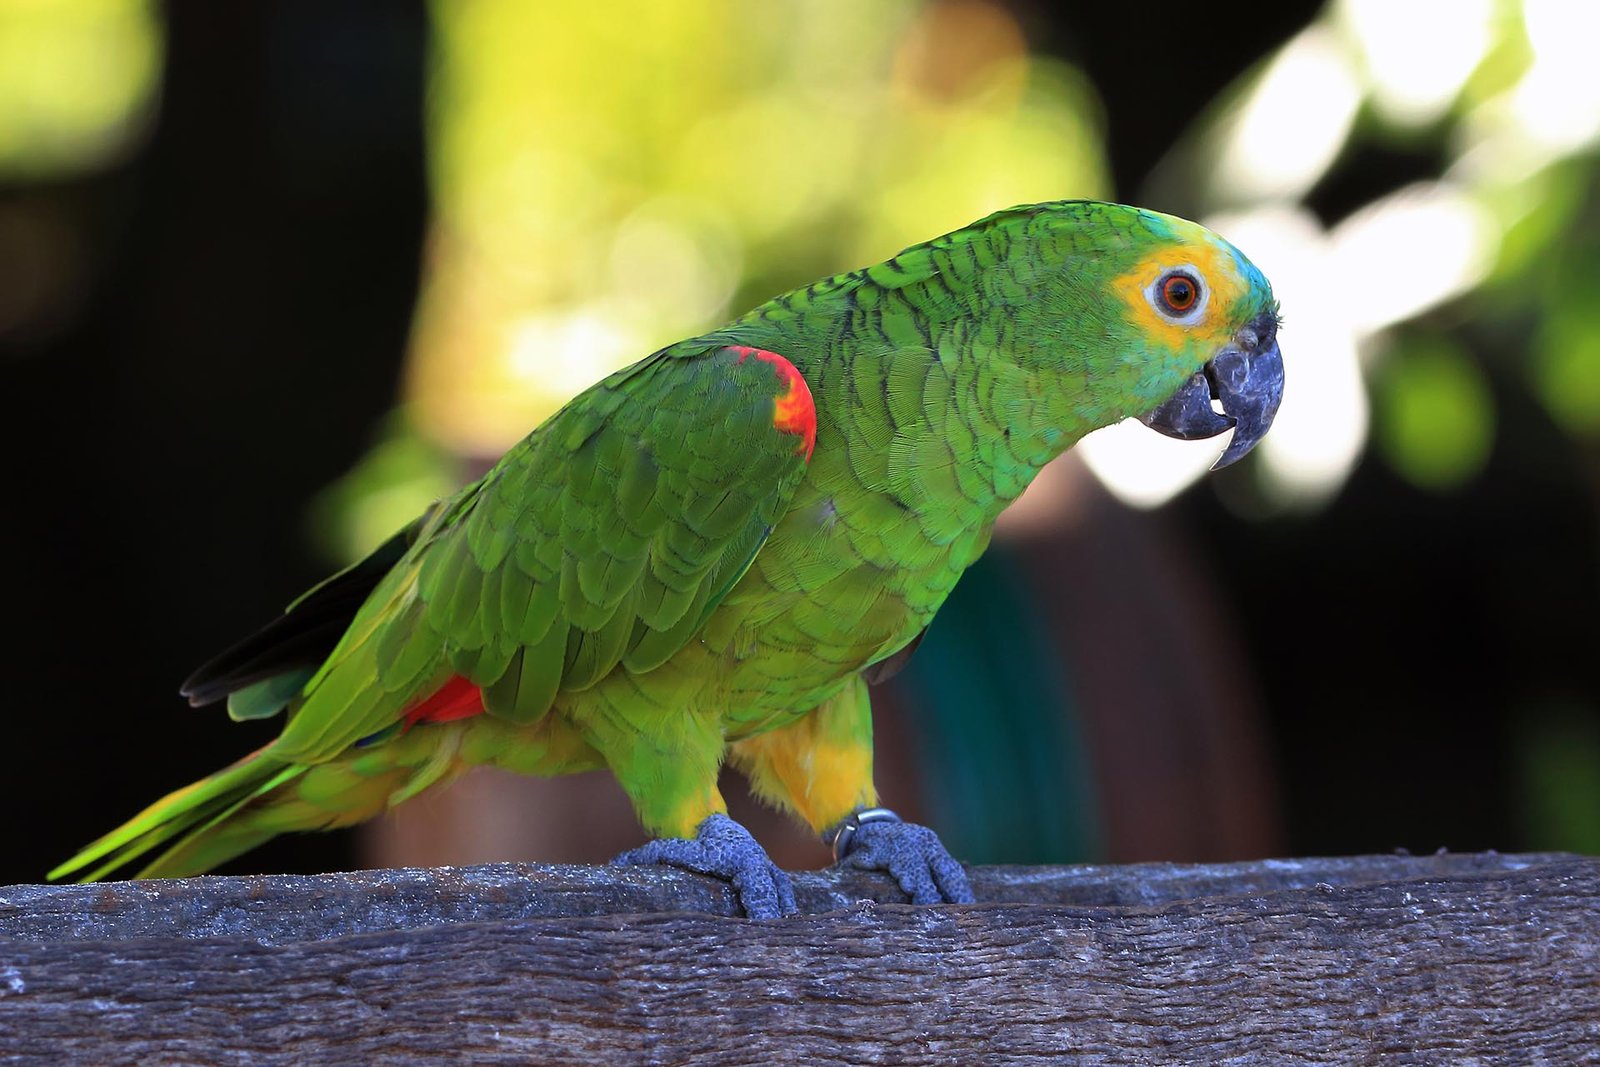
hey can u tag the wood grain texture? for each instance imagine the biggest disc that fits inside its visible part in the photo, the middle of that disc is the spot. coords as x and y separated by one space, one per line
1391 959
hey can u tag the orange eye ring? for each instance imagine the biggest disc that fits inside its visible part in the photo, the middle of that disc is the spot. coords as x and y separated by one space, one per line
1180 292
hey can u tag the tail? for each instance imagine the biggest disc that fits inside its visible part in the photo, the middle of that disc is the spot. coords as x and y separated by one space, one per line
241 806
261 796
196 820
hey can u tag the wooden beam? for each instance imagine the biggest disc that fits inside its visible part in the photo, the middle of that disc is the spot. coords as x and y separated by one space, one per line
1367 959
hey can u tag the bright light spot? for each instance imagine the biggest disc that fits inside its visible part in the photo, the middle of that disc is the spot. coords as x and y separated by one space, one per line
1495 150
1143 468
674 264
1558 101
1413 84
1407 252
1291 124
1322 425
565 353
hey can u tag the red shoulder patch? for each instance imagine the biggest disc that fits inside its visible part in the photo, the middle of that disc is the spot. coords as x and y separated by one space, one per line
455 699
793 411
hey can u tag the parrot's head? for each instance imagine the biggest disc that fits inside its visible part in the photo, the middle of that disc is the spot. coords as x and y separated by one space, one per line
1192 322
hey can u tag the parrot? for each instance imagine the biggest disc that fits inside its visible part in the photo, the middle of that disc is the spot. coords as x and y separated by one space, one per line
709 556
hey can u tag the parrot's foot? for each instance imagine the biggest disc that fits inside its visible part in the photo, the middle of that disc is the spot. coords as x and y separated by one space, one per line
724 848
877 840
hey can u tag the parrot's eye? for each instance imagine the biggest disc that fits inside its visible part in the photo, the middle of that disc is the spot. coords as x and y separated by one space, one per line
1178 293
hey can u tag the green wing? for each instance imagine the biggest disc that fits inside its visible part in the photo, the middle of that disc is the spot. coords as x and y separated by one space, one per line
604 538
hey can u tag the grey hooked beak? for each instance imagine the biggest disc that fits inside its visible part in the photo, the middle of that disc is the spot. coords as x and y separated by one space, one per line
1245 378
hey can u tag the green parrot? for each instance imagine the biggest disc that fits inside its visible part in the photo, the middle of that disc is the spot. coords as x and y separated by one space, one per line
708 556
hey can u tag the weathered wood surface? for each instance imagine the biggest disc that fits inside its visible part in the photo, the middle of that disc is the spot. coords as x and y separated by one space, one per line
1387 959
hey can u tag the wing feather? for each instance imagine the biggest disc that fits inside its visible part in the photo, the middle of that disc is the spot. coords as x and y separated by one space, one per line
603 540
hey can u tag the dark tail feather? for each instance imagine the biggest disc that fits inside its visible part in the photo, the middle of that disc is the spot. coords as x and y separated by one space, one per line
304 635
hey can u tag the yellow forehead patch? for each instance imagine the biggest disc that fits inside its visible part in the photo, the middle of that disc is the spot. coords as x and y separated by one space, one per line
1199 251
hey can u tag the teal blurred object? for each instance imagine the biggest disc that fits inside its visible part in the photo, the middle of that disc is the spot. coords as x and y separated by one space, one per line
1002 761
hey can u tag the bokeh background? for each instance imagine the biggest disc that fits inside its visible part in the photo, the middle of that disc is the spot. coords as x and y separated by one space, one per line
273 276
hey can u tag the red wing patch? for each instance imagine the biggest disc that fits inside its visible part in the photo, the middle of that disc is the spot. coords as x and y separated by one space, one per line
456 699
793 411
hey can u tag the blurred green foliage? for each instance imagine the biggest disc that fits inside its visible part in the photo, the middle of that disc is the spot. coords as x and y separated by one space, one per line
78 81
1477 154
609 178
1436 415
1566 350
1495 112
393 483
1558 756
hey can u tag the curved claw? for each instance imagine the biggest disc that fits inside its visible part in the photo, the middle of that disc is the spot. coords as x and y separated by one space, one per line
723 848
913 856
